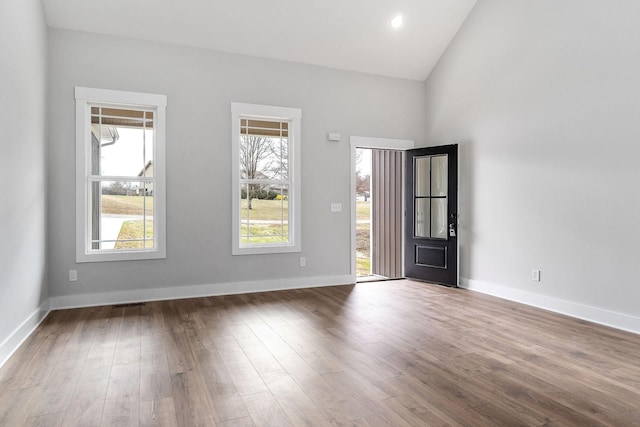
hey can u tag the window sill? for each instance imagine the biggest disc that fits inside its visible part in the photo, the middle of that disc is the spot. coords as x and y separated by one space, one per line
260 250
106 256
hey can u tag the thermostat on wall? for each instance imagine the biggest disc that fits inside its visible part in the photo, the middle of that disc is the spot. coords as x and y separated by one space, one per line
334 137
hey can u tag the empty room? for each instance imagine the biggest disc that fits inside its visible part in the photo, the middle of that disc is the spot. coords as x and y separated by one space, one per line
363 213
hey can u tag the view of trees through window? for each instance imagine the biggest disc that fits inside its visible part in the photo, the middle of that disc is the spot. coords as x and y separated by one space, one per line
264 182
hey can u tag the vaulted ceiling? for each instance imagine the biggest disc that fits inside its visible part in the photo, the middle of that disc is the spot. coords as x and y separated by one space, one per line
351 35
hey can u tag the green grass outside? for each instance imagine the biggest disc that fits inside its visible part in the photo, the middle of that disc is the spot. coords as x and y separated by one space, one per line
264 233
126 205
363 239
363 266
363 210
265 209
135 230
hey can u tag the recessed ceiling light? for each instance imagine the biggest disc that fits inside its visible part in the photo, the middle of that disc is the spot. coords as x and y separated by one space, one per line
397 21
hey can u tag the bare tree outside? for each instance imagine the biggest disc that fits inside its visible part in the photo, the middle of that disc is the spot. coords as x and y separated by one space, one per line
254 151
363 186
363 178
264 178
280 152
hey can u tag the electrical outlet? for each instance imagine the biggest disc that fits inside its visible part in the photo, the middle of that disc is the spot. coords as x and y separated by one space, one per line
303 261
535 275
73 275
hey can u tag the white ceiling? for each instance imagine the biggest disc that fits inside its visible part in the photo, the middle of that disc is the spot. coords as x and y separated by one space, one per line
345 34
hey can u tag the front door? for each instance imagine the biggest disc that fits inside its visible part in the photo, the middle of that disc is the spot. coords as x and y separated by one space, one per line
431 203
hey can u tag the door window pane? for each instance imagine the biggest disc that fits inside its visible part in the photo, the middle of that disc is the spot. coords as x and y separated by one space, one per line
422 175
430 198
439 175
439 218
422 213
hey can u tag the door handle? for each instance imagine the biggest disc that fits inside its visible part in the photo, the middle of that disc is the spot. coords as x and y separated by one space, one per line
452 229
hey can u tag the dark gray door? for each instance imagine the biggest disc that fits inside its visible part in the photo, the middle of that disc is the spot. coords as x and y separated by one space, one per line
431 198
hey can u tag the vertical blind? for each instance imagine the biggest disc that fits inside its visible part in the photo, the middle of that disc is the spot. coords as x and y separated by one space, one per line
386 213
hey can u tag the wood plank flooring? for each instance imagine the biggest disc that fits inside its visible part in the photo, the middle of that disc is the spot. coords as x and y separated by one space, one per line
398 353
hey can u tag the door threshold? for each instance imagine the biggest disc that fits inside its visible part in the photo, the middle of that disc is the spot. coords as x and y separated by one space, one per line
375 278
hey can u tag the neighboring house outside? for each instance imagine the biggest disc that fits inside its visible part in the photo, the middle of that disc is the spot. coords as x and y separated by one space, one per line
146 171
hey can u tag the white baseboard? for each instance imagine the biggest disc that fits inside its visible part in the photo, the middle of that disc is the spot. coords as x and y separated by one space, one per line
193 291
22 332
12 343
601 316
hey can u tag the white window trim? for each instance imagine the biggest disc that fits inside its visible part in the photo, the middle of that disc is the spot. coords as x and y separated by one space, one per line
294 116
84 98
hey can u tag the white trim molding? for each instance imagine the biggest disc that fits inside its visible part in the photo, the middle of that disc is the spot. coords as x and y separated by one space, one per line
22 332
589 313
382 143
86 98
194 291
292 116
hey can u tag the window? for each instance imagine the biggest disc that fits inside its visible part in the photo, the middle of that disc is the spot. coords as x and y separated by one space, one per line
120 175
266 179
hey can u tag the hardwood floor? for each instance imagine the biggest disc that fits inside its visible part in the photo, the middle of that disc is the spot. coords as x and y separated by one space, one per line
393 353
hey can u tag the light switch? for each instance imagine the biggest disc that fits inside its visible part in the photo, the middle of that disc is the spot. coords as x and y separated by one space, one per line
336 207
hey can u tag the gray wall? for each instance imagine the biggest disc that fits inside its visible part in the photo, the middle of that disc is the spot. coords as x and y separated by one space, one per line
23 50
200 85
544 97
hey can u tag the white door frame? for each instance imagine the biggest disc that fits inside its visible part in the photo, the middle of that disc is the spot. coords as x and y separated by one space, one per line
379 143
